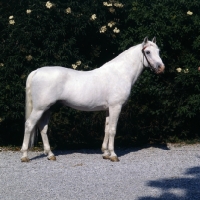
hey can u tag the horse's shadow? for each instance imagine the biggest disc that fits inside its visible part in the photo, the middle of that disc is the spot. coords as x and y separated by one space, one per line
178 188
38 157
120 151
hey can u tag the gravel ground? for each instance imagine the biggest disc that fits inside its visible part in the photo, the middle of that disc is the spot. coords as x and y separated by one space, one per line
150 173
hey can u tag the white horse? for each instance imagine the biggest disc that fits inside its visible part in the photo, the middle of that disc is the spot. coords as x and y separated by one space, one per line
106 88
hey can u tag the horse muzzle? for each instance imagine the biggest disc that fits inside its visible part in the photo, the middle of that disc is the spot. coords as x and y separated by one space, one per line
160 69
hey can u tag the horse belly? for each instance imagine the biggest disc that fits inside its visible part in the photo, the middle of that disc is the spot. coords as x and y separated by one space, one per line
85 107
85 95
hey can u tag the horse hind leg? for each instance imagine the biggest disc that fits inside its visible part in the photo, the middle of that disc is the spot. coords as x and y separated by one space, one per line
43 126
29 128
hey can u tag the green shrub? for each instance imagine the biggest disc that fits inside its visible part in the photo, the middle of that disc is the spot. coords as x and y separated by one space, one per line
166 107
160 107
35 35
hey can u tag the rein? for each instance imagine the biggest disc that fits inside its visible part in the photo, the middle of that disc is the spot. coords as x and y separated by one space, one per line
151 67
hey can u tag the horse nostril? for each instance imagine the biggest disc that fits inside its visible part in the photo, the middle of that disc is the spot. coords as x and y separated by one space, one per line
161 68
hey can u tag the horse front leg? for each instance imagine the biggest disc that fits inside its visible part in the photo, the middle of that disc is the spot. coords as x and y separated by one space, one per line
106 153
109 138
114 112
43 126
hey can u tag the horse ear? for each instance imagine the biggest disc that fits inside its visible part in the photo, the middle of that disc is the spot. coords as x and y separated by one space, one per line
154 40
145 40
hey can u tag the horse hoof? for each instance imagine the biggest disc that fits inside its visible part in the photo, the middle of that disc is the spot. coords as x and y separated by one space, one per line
106 157
25 159
114 159
51 158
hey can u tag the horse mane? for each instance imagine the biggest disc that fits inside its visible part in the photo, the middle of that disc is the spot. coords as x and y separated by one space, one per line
122 54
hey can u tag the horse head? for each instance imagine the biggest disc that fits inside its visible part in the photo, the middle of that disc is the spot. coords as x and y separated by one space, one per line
151 56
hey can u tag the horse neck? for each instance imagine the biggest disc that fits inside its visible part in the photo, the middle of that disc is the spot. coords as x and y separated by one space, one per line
135 62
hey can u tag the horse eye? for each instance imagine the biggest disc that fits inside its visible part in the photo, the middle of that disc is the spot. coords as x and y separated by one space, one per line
147 52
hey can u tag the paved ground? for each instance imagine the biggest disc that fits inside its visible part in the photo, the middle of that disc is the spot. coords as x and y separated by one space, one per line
151 173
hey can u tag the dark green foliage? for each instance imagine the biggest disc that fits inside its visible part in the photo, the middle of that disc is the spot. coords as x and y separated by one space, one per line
167 106
160 107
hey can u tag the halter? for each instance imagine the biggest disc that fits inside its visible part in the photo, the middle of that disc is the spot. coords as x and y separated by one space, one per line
144 55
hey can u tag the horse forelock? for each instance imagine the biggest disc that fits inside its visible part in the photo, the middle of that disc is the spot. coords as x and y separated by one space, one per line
151 44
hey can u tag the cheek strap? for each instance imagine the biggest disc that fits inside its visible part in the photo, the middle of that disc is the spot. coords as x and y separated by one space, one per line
151 67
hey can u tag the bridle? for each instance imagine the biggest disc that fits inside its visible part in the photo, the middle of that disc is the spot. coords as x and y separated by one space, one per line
144 55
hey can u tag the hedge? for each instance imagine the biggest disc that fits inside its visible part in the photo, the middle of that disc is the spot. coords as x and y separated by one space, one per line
84 35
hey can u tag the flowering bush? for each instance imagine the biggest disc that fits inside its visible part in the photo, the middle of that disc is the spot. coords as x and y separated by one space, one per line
38 33
166 106
84 35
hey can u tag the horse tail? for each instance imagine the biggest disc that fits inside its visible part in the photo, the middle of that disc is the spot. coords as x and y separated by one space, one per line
29 106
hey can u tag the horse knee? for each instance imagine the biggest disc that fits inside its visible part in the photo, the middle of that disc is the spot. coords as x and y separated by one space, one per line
112 131
28 127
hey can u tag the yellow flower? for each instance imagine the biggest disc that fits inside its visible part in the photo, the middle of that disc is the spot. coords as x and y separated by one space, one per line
1 64
112 10
186 71
68 10
78 62
107 4
28 11
116 30
111 24
11 17
103 29
49 4
86 67
179 69
74 66
12 21
29 57
93 17
23 76
119 5
189 13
